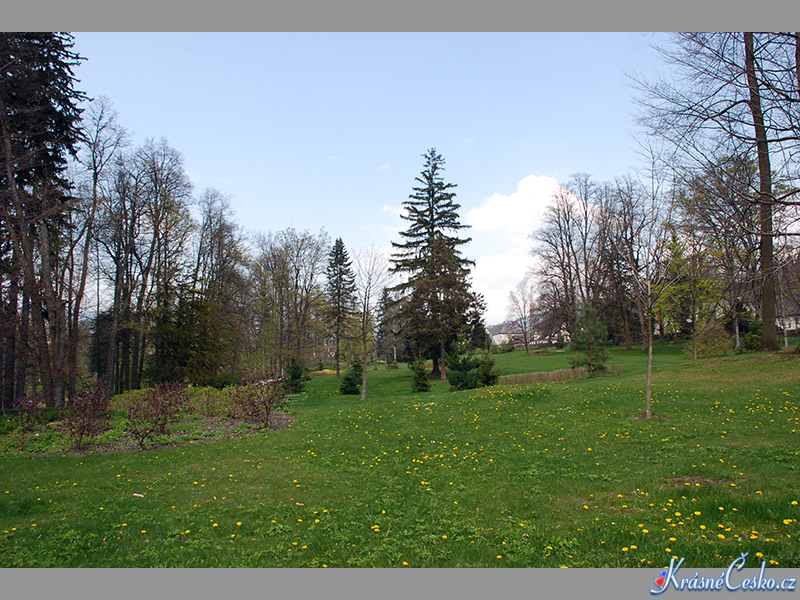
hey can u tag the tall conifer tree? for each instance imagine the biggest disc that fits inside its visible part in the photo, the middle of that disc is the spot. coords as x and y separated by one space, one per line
436 300
341 290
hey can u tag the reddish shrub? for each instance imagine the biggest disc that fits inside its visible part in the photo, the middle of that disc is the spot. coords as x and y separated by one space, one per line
160 405
87 414
256 400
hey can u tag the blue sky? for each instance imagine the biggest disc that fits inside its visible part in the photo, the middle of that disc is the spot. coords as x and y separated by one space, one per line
327 129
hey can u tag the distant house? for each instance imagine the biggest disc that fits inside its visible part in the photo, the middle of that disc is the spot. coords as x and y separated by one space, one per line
508 331
788 317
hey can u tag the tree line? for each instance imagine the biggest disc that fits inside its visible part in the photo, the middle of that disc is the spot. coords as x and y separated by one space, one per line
707 230
700 238
178 291
700 243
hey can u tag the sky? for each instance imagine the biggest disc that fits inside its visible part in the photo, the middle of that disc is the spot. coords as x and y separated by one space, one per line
327 130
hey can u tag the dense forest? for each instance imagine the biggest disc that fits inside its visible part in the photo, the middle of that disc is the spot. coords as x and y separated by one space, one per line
113 267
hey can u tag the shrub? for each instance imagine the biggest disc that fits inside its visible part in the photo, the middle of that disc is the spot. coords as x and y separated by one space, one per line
420 381
160 405
468 369
503 347
223 380
711 341
30 411
555 376
87 414
255 401
296 376
589 339
391 363
751 340
209 402
351 380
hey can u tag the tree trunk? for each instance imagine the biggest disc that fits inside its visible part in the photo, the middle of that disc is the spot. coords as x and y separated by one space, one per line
364 376
10 326
648 411
338 335
769 340
441 357
22 352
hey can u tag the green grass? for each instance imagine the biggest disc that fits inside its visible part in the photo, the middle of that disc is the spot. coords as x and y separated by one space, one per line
522 476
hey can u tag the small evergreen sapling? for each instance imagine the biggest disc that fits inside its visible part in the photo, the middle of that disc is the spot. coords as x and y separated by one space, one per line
589 339
350 384
469 369
420 381
297 377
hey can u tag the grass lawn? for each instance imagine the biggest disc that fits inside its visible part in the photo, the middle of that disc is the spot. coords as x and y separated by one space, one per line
516 476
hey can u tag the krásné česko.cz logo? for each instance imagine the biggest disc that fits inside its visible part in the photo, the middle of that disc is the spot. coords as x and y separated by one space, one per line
668 578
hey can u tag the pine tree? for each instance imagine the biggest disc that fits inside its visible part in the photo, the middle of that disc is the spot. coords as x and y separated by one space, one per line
341 290
590 337
436 300
469 368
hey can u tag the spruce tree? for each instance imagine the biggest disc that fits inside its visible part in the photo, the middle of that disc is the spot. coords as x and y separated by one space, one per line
436 302
341 290
589 339
419 381
351 381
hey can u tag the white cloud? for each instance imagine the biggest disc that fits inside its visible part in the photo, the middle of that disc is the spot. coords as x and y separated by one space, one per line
500 230
495 276
383 167
391 209
517 213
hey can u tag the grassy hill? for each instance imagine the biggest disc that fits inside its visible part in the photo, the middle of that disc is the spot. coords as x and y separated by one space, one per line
526 476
